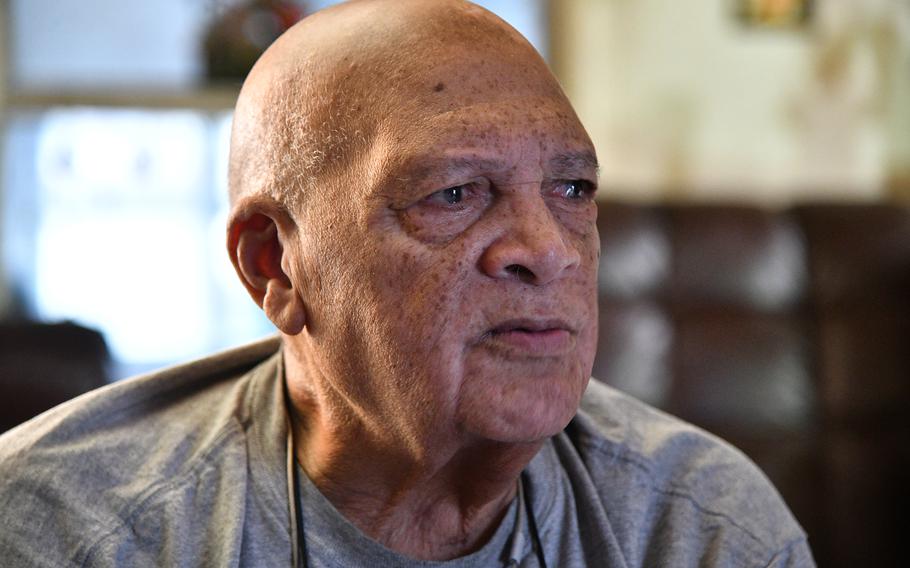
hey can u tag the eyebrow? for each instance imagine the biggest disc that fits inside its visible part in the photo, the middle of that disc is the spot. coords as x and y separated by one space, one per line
454 165
564 162
569 162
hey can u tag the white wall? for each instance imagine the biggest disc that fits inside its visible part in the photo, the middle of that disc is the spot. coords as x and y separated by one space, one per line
682 99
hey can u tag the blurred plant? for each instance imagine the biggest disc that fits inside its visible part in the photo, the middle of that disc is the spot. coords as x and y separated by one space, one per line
241 32
774 13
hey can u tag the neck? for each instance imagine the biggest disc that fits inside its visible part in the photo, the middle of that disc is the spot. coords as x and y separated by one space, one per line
434 498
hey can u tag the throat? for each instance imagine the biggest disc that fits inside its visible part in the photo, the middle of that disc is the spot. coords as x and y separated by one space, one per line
438 532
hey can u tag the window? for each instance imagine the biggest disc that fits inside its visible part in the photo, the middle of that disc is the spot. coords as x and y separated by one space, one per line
114 175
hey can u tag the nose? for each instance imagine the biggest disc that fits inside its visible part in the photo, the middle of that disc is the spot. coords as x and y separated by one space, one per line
531 245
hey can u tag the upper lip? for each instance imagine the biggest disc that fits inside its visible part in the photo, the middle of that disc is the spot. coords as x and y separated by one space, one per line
531 325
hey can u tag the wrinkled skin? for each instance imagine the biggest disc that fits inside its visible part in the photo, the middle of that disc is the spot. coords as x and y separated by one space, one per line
436 280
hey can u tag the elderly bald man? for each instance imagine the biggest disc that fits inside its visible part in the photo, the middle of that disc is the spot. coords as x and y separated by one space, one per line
412 206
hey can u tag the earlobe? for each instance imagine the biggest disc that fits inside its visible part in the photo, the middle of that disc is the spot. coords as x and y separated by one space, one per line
284 307
256 250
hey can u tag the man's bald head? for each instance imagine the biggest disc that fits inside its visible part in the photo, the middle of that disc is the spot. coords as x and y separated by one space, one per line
413 209
340 79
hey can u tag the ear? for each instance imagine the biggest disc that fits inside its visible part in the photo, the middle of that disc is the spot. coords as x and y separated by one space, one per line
256 244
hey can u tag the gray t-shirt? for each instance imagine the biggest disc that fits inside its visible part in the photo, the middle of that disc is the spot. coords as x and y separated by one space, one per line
331 541
188 467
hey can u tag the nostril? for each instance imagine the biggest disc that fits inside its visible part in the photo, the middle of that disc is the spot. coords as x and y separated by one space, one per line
522 272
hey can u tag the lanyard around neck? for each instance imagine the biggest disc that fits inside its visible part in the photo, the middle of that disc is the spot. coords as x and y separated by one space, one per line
298 550
298 543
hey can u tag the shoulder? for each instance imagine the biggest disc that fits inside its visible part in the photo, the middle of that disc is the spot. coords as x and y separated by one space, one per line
678 485
82 470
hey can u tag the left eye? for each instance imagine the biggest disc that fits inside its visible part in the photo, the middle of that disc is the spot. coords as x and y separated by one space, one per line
452 195
455 195
576 189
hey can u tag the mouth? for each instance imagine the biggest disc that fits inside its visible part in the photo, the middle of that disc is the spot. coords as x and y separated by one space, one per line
531 337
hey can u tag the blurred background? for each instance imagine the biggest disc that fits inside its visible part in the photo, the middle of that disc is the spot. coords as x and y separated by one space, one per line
116 116
759 101
115 125
754 215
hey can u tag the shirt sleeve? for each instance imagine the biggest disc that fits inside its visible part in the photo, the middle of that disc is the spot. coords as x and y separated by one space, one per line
796 555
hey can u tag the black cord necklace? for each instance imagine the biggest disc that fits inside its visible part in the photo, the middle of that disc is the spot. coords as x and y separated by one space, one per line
536 543
298 542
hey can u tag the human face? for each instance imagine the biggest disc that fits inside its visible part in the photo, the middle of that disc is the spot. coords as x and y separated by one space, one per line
463 296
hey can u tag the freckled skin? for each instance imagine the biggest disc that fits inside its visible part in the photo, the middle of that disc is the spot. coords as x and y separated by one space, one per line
421 289
398 371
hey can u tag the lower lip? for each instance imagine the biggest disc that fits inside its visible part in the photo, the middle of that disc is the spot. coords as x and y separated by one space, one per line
543 343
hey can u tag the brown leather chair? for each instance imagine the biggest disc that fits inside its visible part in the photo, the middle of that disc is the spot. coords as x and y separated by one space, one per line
786 333
42 365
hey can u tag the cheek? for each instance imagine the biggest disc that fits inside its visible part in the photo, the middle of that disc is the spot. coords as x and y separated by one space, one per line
583 230
590 262
578 219
416 322
420 292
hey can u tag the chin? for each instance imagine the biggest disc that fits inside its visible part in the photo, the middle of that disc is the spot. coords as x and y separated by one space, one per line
524 415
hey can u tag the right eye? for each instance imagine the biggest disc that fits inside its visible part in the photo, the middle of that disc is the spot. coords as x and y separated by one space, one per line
442 215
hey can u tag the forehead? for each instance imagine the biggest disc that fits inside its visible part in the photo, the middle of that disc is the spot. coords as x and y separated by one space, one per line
501 135
502 120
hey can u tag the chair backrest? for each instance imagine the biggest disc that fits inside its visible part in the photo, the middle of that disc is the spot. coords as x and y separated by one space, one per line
786 333
42 365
